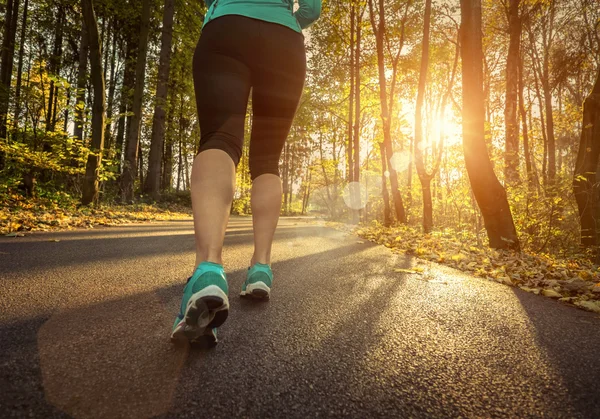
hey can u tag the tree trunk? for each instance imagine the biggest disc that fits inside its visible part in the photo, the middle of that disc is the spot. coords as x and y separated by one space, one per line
81 82
54 69
7 60
356 148
545 79
586 180
379 31
20 63
167 177
350 153
133 134
489 193
286 170
90 185
387 220
126 97
152 186
424 177
511 154
111 95
523 113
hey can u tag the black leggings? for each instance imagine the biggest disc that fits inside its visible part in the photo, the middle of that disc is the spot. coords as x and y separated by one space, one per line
235 54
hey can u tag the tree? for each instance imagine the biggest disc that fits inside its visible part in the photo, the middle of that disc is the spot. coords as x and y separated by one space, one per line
586 181
511 156
133 135
81 82
387 105
158 123
489 193
92 168
7 60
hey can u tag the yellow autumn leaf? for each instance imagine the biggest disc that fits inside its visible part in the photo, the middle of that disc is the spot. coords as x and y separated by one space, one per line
551 294
409 271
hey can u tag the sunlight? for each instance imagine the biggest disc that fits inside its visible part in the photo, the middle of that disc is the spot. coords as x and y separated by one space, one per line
451 129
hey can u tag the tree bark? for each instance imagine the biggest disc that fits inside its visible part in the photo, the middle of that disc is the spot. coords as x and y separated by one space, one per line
133 136
489 193
111 95
126 97
545 79
350 146
90 185
387 219
379 31
20 63
523 113
81 82
167 173
511 122
356 213
586 185
152 186
7 60
424 177
54 69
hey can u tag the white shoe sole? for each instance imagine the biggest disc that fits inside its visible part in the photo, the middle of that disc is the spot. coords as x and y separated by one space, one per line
205 309
257 290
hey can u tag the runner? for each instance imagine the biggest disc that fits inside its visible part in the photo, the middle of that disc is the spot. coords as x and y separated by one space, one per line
246 46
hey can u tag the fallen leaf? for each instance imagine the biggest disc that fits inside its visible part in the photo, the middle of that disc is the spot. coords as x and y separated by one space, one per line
15 235
409 271
551 294
589 305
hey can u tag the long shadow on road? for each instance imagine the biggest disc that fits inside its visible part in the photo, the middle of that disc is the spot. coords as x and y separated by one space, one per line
108 359
571 345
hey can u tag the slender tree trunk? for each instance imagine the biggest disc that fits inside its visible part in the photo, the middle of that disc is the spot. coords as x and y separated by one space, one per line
523 113
108 135
127 88
489 193
379 31
511 154
424 177
286 167
20 63
587 176
545 79
130 167
55 63
167 180
356 213
90 184
158 122
81 83
6 62
387 219
350 153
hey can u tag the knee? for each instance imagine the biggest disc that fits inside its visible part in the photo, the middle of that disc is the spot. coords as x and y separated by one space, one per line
222 141
263 166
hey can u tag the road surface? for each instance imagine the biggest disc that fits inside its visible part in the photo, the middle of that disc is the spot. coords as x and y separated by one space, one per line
85 318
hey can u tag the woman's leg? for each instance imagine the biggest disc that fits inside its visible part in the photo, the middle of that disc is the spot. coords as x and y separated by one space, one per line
266 205
222 86
278 80
213 185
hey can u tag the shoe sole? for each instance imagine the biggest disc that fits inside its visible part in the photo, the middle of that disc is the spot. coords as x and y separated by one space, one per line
258 290
205 310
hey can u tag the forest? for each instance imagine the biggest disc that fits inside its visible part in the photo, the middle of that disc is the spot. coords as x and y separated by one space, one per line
475 120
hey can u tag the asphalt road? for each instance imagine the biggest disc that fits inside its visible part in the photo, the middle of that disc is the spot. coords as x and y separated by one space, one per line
85 323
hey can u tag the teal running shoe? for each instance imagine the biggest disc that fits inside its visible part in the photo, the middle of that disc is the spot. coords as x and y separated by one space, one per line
204 305
259 281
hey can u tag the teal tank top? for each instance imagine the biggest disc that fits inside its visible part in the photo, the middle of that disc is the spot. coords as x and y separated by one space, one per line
274 11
